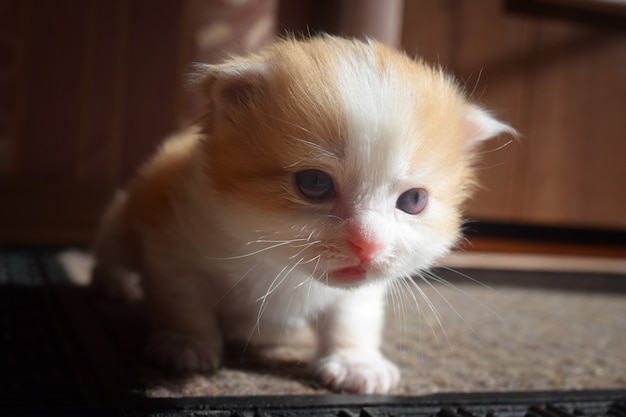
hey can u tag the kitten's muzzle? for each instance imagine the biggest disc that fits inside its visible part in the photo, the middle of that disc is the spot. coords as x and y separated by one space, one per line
365 248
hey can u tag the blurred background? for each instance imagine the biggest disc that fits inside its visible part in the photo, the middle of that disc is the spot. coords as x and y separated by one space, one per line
88 88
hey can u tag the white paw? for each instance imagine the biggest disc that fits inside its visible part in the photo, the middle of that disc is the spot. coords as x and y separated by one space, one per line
117 284
358 372
181 353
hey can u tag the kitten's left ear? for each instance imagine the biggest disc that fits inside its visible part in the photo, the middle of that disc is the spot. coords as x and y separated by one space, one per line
478 125
233 89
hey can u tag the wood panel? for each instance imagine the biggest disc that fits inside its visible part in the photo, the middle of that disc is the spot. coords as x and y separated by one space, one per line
489 53
562 84
577 136
88 88
80 65
36 212
94 93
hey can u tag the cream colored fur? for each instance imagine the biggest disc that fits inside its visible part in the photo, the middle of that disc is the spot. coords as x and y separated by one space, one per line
216 236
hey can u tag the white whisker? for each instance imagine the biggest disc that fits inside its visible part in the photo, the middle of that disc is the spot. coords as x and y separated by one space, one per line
313 145
273 286
312 260
399 308
306 246
445 299
474 280
246 255
282 324
310 277
431 306
487 151
448 284
234 285
332 216
417 309
263 240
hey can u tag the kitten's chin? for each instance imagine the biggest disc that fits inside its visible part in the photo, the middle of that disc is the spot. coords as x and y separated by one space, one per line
352 274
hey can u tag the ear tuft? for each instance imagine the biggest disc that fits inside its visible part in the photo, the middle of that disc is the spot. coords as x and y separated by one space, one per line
479 125
233 89
237 85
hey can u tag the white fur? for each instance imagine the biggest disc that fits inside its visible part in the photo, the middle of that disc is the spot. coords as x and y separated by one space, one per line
220 270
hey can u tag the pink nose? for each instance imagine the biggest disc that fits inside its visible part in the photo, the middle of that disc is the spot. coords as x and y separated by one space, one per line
364 247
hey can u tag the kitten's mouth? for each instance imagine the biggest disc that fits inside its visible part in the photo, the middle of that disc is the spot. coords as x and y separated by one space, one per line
350 274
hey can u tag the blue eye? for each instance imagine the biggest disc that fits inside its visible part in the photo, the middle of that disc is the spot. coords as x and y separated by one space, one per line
315 184
412 201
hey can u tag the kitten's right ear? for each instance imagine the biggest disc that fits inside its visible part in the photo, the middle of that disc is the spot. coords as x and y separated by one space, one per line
233 90
479 125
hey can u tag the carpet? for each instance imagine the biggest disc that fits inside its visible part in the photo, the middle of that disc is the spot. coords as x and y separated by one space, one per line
480 331
498 331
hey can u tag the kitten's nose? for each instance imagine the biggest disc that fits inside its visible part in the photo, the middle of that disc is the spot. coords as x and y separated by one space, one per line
366 248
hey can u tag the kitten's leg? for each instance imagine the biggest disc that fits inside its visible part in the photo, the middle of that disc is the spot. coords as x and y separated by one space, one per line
111 275
186 336
349 343
116 282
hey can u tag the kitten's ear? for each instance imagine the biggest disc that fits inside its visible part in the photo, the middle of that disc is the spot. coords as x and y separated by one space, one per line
478 125
233 90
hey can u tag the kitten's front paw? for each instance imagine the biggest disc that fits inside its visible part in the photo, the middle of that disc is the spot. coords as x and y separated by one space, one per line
116 284
181 353
358 372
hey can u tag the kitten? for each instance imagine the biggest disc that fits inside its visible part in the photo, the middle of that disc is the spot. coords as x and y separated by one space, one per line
321 171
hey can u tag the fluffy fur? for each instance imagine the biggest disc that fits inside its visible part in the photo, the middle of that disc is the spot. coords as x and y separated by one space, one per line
218 237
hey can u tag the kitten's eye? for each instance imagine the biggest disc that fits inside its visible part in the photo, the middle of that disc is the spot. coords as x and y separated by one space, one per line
412 201
315 184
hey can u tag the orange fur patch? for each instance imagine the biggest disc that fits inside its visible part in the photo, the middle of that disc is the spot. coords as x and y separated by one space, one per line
153 192
254 159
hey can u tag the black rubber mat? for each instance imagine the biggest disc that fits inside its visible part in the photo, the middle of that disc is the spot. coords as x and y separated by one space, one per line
44 365
57 361
555 404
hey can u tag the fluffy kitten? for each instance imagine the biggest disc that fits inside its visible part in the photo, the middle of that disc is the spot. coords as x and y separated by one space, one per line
321 171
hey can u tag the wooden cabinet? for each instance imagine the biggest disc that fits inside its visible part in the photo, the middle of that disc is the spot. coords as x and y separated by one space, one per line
562 84
88 88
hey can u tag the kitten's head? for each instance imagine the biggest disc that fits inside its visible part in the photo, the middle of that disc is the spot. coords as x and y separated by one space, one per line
349 159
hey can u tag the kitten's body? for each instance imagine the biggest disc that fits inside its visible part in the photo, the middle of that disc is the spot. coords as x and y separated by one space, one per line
233 233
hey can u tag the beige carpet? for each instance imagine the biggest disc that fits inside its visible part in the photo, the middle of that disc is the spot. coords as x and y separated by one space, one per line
67 352
507 337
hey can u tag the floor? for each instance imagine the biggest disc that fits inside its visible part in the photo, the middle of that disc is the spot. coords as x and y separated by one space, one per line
526 254
528 328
